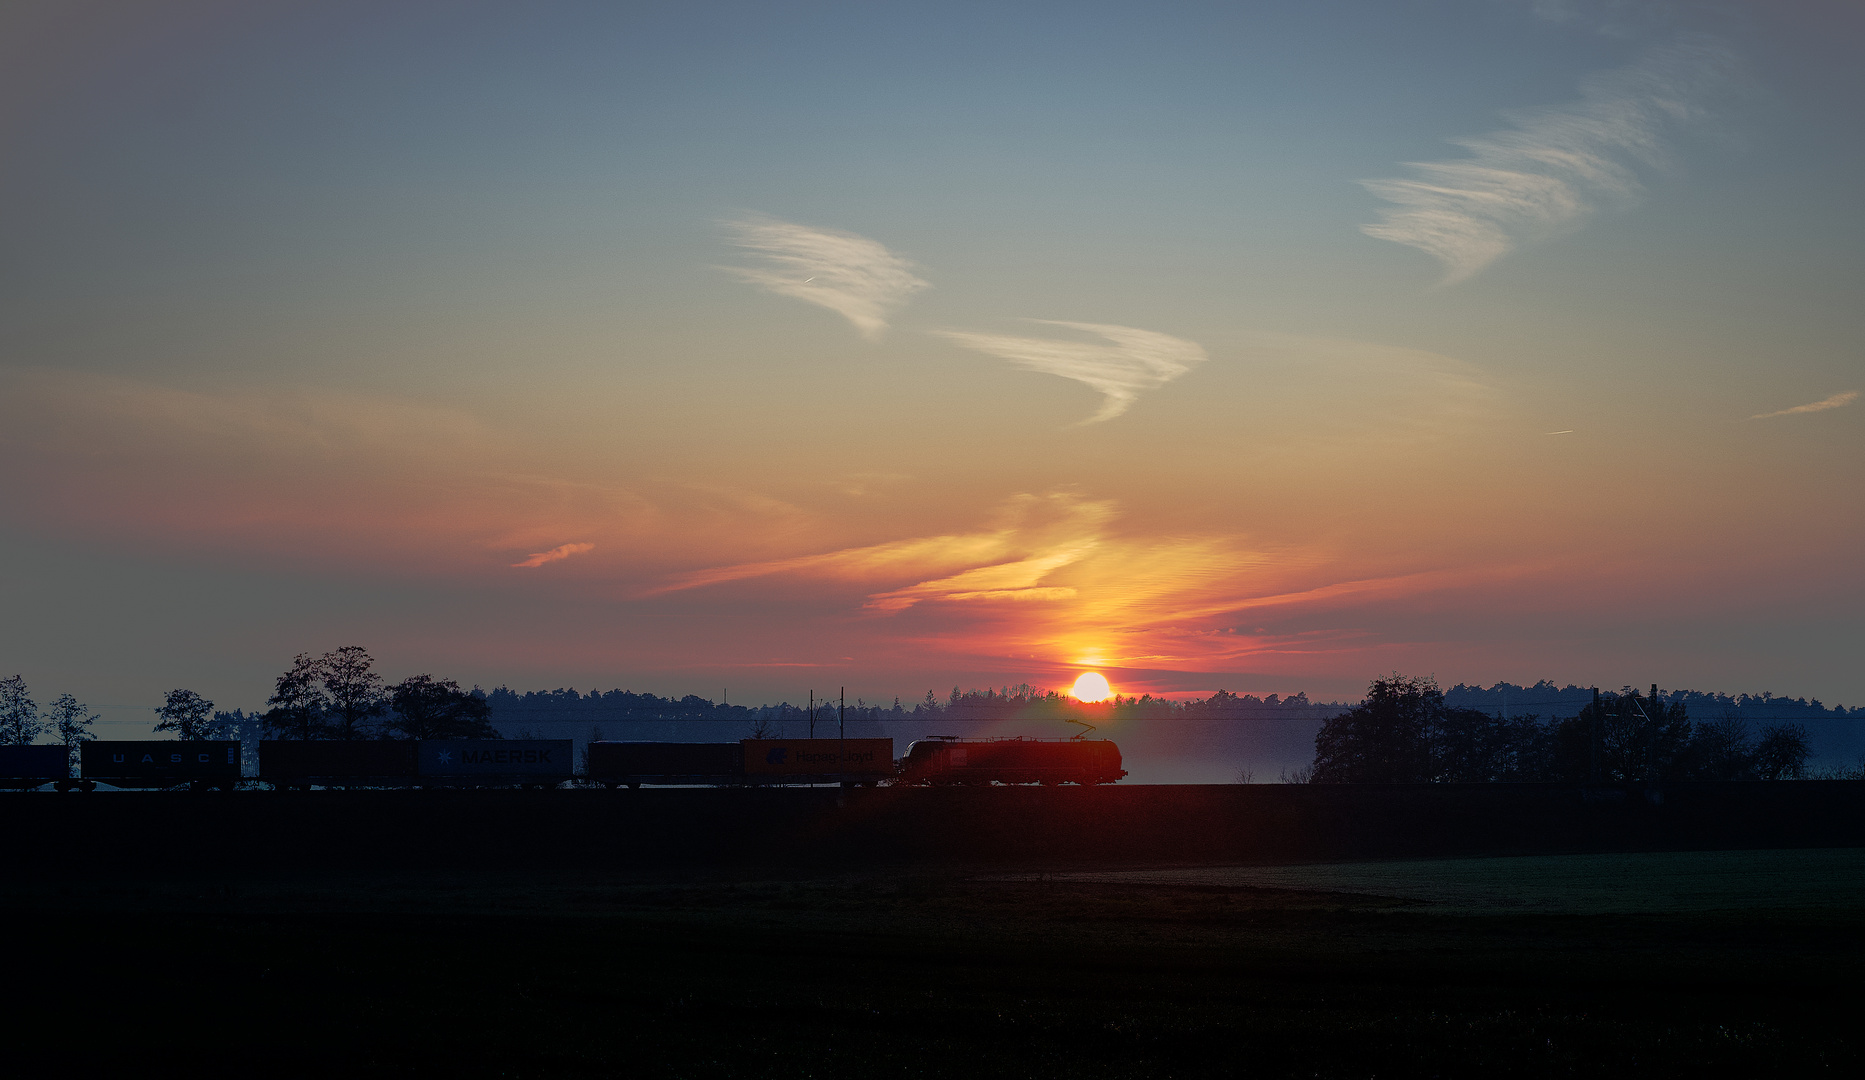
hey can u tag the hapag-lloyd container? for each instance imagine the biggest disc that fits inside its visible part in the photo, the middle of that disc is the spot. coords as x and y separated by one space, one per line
508 759
853 759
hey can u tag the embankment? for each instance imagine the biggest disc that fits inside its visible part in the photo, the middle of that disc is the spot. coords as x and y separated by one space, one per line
1132 825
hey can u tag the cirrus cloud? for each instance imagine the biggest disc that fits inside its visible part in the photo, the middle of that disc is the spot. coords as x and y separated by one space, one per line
1556 165
1132 361
561 551
851 275
1836 401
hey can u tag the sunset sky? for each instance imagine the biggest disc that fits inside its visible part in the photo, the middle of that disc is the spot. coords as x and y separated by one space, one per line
683 347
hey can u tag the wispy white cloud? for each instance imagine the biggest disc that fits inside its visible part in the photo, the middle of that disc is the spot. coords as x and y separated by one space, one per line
1608 18
1836 401
1131 361
1554 166
851 275
561 551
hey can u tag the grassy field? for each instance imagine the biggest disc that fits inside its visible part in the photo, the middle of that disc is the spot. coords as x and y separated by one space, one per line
1660 883
1736 964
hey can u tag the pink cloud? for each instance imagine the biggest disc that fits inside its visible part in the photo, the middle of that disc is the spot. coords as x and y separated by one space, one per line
561 551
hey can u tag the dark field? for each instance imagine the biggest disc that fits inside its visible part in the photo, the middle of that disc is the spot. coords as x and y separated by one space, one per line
1707 962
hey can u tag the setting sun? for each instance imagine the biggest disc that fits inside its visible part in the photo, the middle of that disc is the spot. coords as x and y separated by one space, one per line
1092 686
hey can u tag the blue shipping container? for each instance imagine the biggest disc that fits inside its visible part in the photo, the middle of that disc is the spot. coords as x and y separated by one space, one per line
495 758
34 763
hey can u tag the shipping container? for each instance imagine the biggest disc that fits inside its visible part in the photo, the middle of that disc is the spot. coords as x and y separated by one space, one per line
338 763
637 763
1011 761
31 766
523 762
202 764
819 760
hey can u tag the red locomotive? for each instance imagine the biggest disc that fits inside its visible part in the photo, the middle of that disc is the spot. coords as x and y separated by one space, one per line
952 760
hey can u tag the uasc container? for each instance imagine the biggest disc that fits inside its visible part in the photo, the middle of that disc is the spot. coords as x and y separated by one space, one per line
203 764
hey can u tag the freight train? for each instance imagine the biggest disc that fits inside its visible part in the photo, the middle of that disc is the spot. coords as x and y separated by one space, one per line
548 763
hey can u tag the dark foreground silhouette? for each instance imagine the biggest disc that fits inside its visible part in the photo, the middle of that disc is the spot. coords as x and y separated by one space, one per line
927 932
908 972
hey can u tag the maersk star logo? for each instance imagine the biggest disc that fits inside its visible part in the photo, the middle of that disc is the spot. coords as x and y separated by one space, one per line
445 757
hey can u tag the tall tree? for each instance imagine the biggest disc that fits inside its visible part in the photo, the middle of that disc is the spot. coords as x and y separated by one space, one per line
355 691
423 707
19 714
71 721
1631 738
298 703
187 714
1783 751
1721 750
1382 740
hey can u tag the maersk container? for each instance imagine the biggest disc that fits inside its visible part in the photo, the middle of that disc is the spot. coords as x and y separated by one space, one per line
811 760
637 763
203 764
339 763
31 766
496 761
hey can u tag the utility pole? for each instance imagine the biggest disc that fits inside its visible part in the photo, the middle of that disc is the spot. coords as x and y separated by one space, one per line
1593 737
812 712
841 734
1651 744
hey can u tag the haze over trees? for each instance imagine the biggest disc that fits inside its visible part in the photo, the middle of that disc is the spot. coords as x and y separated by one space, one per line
1406 730
1022 702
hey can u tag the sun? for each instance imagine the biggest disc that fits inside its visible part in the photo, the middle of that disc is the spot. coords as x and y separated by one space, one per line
1092 686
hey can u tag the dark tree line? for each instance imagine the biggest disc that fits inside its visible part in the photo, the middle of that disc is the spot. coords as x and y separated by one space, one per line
1025 702
1405 733
1022 702
339 696
1506 698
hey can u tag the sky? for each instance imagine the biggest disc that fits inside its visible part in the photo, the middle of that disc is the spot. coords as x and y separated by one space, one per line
756 349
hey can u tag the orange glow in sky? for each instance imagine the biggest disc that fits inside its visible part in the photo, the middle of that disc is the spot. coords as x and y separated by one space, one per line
1092 686
1325 404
